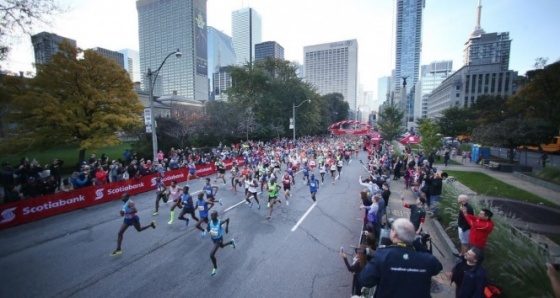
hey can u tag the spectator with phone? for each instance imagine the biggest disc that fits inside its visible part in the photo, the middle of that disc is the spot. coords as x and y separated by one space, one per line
358 263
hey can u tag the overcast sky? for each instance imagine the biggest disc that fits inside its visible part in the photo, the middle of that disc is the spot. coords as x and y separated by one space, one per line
534 27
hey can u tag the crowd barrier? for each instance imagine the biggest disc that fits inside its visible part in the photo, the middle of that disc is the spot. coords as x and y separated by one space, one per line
33 209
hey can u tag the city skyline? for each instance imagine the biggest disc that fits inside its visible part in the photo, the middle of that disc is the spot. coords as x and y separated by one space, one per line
295 24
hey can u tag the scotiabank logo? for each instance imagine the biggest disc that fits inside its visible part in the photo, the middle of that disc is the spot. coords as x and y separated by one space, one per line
168 178
7 215
120 189
51 205
99 193
205 169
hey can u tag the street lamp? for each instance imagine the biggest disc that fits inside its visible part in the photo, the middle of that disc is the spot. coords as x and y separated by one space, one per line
294 107
152 77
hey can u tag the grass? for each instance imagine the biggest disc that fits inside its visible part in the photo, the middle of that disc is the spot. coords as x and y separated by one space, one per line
486 185
68 154
450 162
514 262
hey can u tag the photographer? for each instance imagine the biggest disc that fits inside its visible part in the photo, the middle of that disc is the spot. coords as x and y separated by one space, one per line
358 263
399 270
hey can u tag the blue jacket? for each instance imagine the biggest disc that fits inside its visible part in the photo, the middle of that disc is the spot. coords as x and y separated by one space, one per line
473 283
400 271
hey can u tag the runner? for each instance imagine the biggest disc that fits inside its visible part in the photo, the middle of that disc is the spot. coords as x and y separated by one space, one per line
161 193
235 178
333 170
273 189
192 171
339 165
252 188
210 191
203 209
306 173
221 168
313 187
188 206
322 171
287 182
215 229
174 195
129 211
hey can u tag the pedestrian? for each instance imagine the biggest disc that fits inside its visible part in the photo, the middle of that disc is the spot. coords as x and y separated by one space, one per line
188 206
203 207
129 211
469 276
417 213
446 157
544 159
463 227
216 230
481 227
313 187
398 270
161 194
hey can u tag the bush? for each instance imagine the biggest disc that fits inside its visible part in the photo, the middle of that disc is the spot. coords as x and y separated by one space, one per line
512 260
551 174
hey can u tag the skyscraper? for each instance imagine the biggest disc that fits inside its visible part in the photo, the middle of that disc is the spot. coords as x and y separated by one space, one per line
220 50
113 55
46 44
431 76
132 64
333 67
408 42
165 26
246 31
268 49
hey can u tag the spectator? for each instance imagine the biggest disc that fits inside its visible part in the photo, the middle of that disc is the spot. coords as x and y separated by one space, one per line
385 194
55 170
7 177
481 227
358 263
463 227
554 280
66 185
398 270
469 276
101 176
79 180
417 213
11 195
435 193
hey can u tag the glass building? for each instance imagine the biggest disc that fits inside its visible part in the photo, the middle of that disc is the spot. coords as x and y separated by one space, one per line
220 54
268 49
246 32
165 26
113 55
333 68
132 64
431 76
46 44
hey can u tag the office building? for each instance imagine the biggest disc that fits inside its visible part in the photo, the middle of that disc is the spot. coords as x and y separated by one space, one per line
384 89
333 68
165 26
46 44
246 32
486 48
132 64
408 41
268 49
431 76
222 81
220 54
113 55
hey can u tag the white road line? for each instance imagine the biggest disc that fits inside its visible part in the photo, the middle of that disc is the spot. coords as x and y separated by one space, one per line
304 216
228 209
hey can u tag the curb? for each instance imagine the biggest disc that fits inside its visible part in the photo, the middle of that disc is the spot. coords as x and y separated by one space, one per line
448 247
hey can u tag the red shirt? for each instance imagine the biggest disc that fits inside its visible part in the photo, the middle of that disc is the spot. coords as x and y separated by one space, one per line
480 229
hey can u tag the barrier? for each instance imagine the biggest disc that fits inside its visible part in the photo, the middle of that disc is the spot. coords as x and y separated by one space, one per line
33 209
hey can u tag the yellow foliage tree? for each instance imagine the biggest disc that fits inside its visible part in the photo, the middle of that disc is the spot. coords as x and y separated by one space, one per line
80 98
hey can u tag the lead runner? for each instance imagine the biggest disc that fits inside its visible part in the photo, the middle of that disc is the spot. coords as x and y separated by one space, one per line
129 211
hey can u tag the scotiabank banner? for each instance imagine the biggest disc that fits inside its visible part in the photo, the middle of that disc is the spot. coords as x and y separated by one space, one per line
33 209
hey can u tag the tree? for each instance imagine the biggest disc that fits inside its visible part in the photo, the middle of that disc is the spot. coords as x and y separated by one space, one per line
10 87
512 133
81 102
390 122
455 121
489 109
430 132
19 17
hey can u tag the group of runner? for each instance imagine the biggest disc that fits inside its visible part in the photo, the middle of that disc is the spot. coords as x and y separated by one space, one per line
262 170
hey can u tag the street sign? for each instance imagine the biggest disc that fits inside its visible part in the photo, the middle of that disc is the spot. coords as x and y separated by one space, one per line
148 116
148 128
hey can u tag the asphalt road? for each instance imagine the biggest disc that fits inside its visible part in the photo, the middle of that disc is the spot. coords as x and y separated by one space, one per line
68 255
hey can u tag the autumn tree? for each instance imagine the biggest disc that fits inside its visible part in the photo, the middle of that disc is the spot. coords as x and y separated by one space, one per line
19 17
77 101
390 122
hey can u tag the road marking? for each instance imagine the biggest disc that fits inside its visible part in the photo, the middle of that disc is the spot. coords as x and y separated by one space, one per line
228 209
304 216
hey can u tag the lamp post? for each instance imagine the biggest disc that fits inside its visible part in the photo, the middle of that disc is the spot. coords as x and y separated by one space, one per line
294 107
152 77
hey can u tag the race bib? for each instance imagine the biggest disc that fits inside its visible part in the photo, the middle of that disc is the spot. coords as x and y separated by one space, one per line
214 232
200 208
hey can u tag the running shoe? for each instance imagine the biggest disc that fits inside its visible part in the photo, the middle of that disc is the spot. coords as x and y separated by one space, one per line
260 193
214 271
259 206
251 205
153 224
220 201
233 243
116 252
287 203
268 205
170 222
187 222
155 213
203 234
279 202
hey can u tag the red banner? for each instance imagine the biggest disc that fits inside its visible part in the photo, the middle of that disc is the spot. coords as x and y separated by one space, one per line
33 209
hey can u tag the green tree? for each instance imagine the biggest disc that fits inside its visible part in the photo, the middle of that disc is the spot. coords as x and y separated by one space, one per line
430 132
390 122
82 102
455 121
489 109
512 133
10 87
19 17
